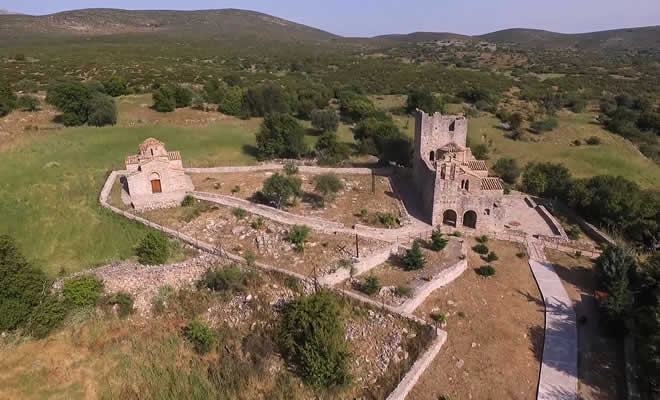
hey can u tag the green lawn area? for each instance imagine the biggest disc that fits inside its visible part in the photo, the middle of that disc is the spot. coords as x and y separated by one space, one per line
50 183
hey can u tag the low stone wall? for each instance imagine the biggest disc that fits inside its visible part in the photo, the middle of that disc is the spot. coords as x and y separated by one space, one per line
364 265
555 226
596 233
302 168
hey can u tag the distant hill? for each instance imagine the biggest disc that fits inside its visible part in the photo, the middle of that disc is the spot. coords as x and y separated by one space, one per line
227 24
239 25
646 37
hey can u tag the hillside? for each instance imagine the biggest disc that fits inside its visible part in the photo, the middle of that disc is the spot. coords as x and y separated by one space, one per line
645 37
227 24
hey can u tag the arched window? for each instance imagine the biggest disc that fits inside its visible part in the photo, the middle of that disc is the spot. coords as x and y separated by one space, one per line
152 152
467 185
452 126
432 156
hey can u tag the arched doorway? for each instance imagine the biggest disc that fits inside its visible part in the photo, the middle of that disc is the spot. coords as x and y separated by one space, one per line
155 183
470 219
432 156
449 218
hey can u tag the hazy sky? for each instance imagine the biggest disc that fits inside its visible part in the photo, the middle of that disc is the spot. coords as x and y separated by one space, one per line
374 17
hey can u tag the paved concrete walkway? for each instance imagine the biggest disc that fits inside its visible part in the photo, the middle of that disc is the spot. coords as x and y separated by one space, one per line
559 370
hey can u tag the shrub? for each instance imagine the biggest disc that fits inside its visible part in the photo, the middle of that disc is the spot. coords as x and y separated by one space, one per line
115 86
491 257
330 151
282 136
404 291
486 271
281 190
250 259
507 169
438 317
388 220
258 224
593 141
124 302
225 279
438 243
298 236
325 120
28 103
46 316
232 101
521 254
577 142
83 291
483 239
414 258
7 99
545 125
21 285
573 232
424 99
312 337
328 185
480 151
154 249
370 286
480 249
236 189
239 213
290 168
188 201
201 336
164 100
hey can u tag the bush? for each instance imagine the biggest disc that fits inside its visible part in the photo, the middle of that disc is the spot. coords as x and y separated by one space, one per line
201 336
21 286
115 86
239 213
388 220
438 317
486 271
480 151
424 100
480 249
232 101
281 136
370 286
414 258
188 201
312 337
281 191
577 142
290 168
154 249
231 279
330 151
28 103
438 243
325 120
328 185
7 99
546 179
124 301
102 110
83 291
545 125
483 239
72 99
46 316
298 236
164 100
507 169
258 224
521 254
593 141
573 232
491 257
404 291
236 189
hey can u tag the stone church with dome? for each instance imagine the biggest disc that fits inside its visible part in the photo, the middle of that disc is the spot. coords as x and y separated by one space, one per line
454 186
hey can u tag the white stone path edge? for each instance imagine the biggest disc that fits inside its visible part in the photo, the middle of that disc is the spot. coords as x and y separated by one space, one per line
412 376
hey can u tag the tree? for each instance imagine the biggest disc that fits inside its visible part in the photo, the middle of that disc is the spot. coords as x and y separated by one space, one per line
382 138
213 91
298 236
115 86
281 190
72 99
312 337
438 242
154 249
615 267
480 151
325 120
164 100
328 185
507 169
330 151
232 101
102 110
28 103
354 108
182 96
546 179
22 286
424 100
7 99
263 100
414 258
282 136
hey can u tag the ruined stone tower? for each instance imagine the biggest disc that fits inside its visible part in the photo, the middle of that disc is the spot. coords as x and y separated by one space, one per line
454 186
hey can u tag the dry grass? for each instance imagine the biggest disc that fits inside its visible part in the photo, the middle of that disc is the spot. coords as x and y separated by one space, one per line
495 328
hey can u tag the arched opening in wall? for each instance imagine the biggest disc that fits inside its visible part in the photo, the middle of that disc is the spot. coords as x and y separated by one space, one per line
432 156
470 219
467 185
449 218
155 183
452 126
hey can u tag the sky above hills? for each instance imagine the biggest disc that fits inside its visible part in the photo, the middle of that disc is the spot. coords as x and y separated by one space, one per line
377 17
